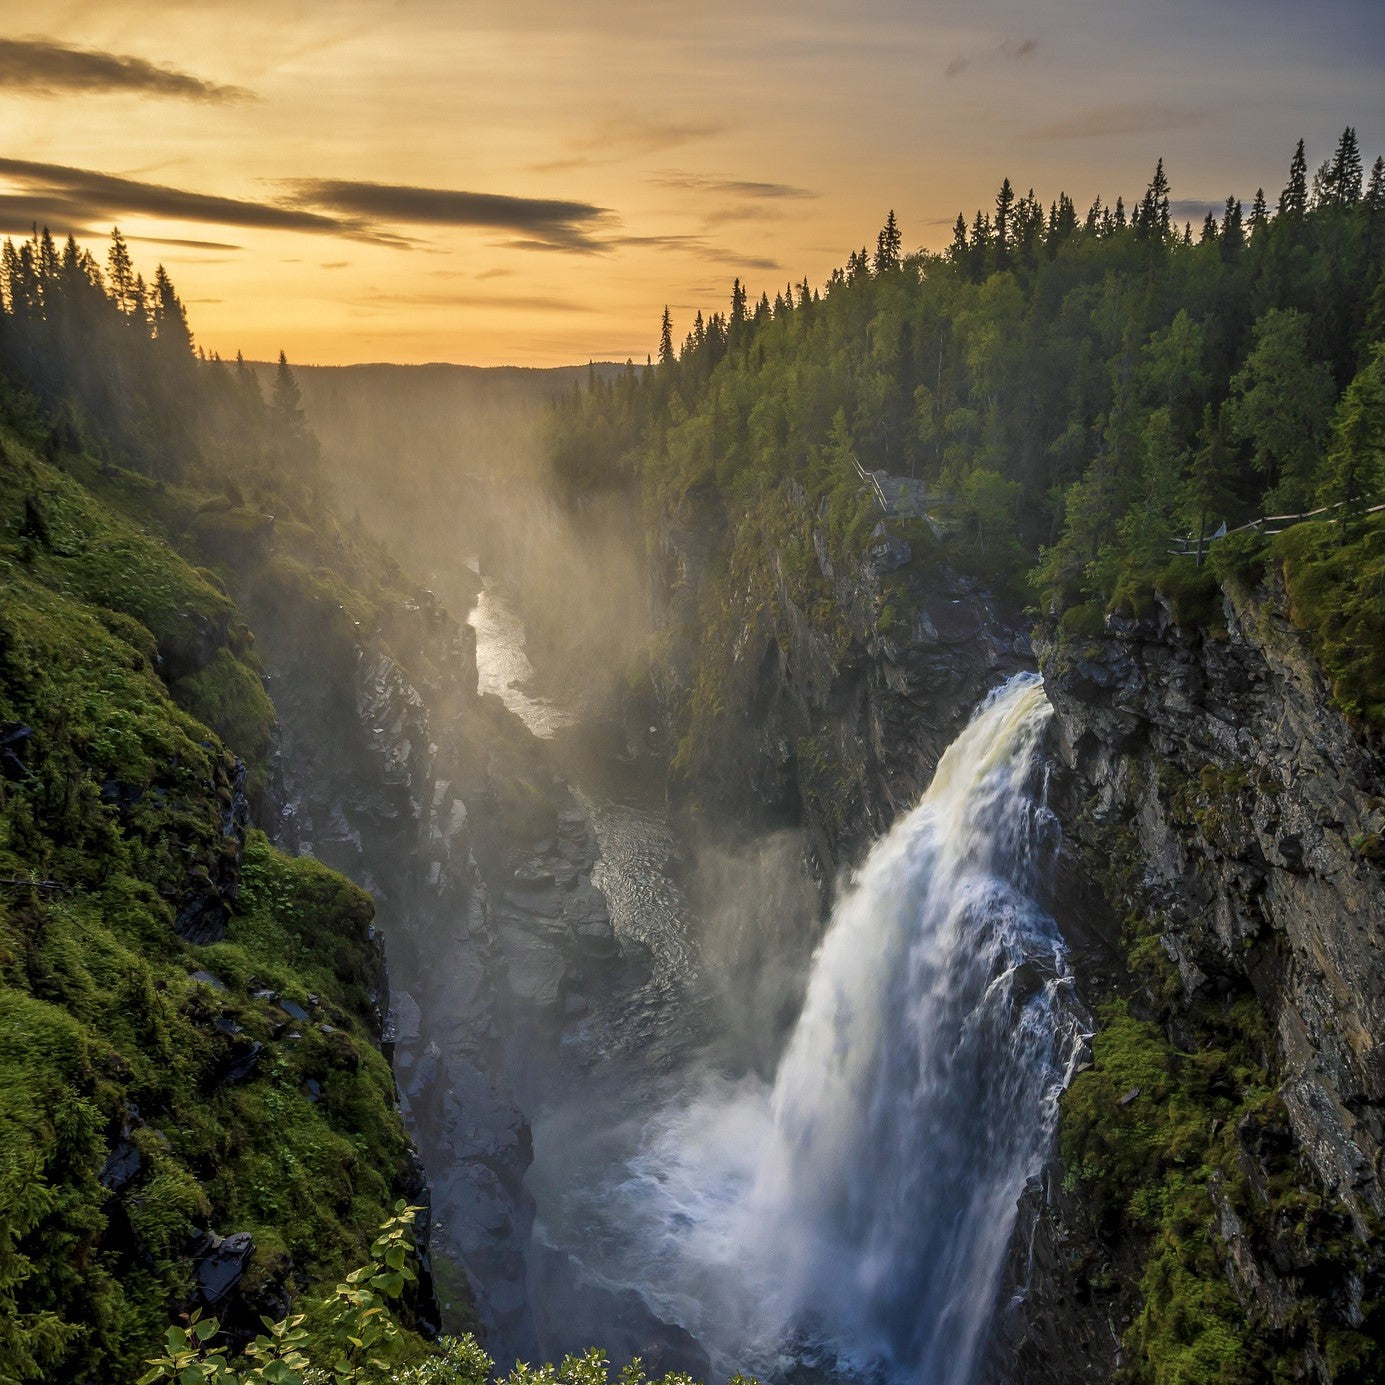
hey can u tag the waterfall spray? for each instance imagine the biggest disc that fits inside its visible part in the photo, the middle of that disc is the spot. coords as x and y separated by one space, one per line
859 1211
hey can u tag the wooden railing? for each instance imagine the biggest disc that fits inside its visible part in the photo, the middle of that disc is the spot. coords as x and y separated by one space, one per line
873 481
1269 525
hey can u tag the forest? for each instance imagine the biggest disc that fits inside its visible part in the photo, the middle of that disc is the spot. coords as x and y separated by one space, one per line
1088 397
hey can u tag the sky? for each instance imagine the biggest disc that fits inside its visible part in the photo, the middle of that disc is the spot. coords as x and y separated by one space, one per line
530 181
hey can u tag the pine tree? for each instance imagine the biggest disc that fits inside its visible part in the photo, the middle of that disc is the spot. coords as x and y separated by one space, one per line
1208 491
122 274
980 250
1259 213
168 316
1279 406
737 304
1354 474
1343 182
957 251
1233 237
666 338
1375 189
285 399
887 246
1152 215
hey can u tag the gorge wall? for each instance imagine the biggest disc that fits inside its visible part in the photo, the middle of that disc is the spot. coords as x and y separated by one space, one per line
1216 1193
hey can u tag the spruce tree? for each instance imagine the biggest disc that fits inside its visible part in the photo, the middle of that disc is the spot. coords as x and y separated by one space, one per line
1354 474
1343 183
1293 201
666 338
121 271
887 246
957 251
1233 238
285 399
1004 202
1259 213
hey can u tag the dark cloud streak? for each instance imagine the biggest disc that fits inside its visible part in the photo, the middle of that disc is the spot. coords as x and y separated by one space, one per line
47 68
1132 118
1010 50
66 196
731 187
554 223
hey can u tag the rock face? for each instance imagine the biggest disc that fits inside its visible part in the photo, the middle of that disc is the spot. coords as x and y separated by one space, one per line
834 718
1253 811
1254 805
449 812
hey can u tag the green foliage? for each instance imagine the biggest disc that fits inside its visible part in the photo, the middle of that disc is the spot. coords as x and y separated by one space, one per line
107 1042
1336 594
352 1338
1139 1133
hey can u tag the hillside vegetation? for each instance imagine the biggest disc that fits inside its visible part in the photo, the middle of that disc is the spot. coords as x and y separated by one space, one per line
194 1110
1080 392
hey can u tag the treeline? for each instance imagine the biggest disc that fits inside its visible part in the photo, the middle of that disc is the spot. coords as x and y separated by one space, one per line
110 360
1081 386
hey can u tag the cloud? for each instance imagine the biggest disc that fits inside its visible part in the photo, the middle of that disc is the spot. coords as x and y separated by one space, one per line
20 213
1130 118
731 187
47 68
618 140
699 248
65 197
517 302
1011 50
186 244
1195 209
548 222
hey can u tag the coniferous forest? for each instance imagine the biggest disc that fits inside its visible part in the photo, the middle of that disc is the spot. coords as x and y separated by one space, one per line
1084 392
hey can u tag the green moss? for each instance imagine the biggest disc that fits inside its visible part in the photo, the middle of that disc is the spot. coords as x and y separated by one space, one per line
104 1036
1083 623
178 621
1193 593
1336 594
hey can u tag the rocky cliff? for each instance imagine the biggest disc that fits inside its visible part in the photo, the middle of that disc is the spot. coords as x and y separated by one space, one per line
1234 820
1216 1198
822 690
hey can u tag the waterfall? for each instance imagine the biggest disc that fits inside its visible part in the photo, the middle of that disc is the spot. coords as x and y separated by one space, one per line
919 1090
855 1216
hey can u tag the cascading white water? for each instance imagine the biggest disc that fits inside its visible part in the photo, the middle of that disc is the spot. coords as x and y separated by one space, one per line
919 1089
860 1210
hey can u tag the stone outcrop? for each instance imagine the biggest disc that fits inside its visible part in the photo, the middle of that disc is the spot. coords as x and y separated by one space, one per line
1249 810
833 718
1254 806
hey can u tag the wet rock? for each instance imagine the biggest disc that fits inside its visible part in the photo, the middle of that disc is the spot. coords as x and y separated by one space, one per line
537 969
221 1265
122 1166
572 1310
239 1063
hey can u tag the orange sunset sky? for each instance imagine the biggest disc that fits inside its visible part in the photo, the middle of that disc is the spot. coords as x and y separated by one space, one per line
530 182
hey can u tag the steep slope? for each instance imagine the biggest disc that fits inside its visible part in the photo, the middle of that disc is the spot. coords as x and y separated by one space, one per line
195 1110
